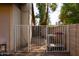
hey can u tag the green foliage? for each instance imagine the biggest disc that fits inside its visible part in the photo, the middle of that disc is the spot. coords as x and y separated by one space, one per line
43 12
70 13
53 6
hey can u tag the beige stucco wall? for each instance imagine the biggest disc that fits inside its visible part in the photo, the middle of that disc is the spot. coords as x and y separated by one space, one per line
20 26
4 24
14 33
10 17
26 22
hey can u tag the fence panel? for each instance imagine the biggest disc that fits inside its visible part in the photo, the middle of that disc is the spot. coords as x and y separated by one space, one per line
57 39
41 38
38 41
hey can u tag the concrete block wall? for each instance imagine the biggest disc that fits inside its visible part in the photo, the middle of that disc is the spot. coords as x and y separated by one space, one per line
77 39
74 39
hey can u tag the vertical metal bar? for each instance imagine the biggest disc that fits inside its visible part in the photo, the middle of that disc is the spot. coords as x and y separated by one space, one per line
46 39
19 36
57 35
39 36
15 39
58 44
28 41
38 41
63 41
64 38
26 36
61 37
67 40
55 28
68 37
51 38
36 36
48 32
29 48
64 35
31 37
54 38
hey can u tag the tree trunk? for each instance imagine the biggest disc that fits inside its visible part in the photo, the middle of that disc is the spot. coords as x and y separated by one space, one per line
33 17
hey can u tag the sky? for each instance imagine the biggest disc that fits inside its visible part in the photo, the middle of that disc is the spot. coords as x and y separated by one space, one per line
54 16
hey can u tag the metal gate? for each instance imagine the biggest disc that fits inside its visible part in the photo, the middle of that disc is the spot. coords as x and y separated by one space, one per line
41 38
58 38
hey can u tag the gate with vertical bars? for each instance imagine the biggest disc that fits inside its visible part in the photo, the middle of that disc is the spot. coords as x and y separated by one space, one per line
42 38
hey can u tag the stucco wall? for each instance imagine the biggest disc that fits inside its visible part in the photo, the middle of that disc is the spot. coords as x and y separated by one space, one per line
14 32
10 17
20 27
26 22
4 23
